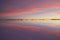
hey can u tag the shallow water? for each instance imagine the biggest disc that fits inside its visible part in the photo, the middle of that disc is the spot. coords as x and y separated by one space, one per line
45 24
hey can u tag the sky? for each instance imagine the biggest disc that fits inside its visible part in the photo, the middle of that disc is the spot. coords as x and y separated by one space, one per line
44 9
14 7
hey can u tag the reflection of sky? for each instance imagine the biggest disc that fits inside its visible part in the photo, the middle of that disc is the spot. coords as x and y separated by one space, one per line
45 24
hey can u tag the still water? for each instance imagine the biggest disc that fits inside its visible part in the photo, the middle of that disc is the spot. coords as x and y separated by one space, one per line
45 24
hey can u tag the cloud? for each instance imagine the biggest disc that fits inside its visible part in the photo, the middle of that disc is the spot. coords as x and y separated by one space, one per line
14 7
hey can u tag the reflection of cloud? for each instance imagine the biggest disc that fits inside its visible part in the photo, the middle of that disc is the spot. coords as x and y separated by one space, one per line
31 28
17 33
45 24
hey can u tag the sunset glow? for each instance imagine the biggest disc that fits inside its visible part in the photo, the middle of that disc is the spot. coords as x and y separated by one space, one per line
34 17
